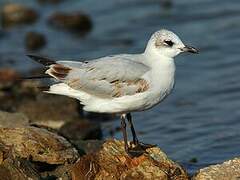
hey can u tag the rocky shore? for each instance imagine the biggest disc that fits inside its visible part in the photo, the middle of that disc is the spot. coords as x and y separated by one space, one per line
47 137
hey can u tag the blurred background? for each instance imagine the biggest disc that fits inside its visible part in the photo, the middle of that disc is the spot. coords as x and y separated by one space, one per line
197 125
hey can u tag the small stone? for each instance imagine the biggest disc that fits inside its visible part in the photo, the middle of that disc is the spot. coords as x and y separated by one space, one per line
38 145
76 22
228 170
15 14
34 40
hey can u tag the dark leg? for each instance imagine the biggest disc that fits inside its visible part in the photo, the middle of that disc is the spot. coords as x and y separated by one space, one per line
132 152
135 139
139 145
123 127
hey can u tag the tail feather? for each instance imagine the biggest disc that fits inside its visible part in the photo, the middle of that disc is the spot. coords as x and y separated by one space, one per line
42 60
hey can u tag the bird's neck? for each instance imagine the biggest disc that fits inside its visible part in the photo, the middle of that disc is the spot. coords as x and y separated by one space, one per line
156 60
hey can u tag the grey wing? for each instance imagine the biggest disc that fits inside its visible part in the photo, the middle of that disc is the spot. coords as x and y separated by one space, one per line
106 77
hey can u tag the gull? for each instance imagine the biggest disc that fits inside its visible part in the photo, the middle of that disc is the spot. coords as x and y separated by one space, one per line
120 84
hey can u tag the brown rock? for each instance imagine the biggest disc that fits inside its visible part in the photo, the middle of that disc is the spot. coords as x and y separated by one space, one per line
49 110
34 40
111 162
19 169
14 14
228 170
38 145
83 129
77 21
13 119
8 77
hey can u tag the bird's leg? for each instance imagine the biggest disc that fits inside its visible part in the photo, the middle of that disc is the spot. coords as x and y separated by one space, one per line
132 152
123 127
135 139
134 135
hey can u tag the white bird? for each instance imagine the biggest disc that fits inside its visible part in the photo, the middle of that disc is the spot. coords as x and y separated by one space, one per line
123 83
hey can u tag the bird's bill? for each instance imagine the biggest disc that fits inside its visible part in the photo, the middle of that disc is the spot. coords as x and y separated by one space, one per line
190 49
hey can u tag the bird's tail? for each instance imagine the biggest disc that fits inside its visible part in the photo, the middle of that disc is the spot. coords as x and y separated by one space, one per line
54 69
42 60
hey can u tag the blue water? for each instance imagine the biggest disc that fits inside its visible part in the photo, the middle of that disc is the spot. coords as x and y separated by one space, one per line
200 119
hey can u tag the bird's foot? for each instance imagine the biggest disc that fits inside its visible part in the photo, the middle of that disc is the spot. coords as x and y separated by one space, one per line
138 149
141 145
135 152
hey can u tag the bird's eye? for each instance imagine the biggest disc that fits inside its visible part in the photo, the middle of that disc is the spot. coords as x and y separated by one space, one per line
169 43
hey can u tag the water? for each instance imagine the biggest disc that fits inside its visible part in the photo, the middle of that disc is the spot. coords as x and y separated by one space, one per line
200 119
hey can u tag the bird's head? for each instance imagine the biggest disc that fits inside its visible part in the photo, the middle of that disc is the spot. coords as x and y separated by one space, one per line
166 43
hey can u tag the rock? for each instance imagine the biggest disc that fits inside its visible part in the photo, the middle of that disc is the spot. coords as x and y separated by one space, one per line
15 14
49 110
38 145
13 120
228 170
34 40
8 77
83 130
19 169
111 162
76 22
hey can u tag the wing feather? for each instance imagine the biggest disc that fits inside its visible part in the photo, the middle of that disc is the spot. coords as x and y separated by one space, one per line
107 77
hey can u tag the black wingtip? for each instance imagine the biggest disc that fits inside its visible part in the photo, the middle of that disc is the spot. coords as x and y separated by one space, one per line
41 59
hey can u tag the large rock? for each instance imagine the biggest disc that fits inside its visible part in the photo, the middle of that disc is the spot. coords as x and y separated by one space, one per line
110 161
15 14
49 110
229 170
38 145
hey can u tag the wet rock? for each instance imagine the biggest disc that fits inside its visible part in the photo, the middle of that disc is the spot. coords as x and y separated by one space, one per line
76 22
13 119
38 145
34 41
83 130
228 170
15 14
111 162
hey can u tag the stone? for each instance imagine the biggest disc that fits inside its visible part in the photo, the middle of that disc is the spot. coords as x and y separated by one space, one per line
75 22
38 145
8 77
34 41
81 129
229 170
12 120
111 162
14 14
49 110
